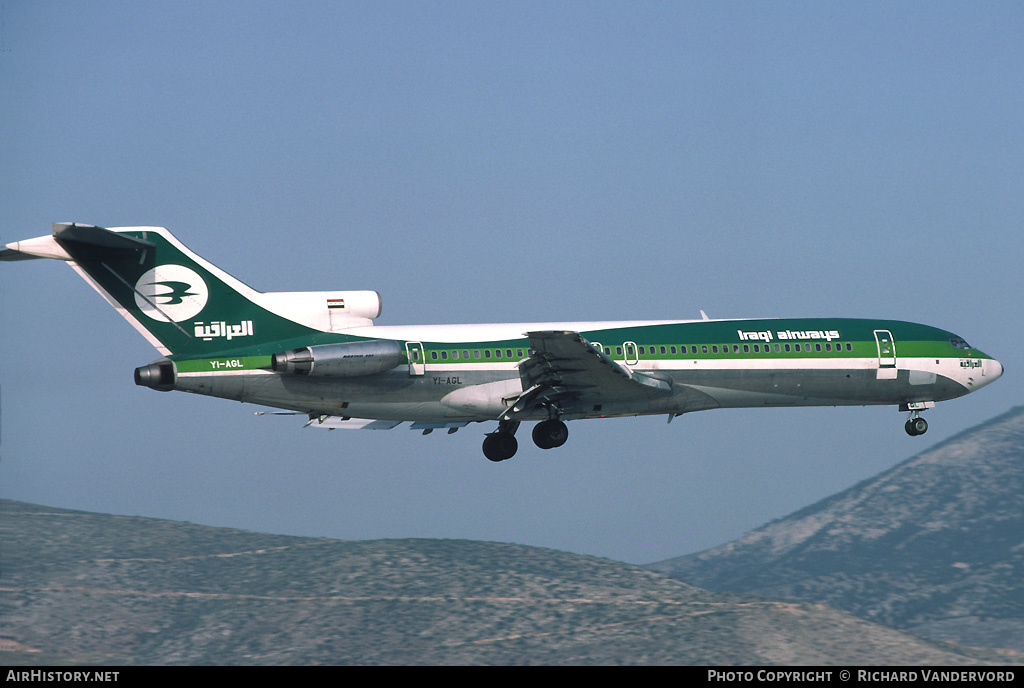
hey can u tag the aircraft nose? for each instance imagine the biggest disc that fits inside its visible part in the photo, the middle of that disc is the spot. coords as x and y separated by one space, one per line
991 371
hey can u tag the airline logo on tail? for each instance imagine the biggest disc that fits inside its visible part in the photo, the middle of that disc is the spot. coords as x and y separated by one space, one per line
171 293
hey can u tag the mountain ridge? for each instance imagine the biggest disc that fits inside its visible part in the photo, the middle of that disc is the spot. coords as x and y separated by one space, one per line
934 545
91 588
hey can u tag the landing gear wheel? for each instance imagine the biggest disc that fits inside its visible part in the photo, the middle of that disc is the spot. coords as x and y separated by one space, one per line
916 426
500 446
549 434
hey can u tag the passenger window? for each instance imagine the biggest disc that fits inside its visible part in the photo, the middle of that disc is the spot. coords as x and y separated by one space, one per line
519 353
476 353
508 353
746 348
433 355
444 355
672 349
487 353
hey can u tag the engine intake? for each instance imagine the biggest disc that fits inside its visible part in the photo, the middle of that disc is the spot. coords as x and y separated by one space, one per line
350 359
159 376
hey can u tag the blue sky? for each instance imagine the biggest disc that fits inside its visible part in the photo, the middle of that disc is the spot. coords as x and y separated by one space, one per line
484 162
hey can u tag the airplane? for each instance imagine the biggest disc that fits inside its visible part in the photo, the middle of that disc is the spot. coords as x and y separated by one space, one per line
319 354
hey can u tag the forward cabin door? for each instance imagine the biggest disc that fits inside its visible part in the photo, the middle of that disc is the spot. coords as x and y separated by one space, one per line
886 355
417 361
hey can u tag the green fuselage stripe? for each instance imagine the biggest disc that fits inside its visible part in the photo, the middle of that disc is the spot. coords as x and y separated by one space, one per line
734 340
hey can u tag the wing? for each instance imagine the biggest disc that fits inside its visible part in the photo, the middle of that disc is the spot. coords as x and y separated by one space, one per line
567 371
346 423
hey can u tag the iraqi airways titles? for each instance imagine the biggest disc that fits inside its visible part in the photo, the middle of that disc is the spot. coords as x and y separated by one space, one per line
767 336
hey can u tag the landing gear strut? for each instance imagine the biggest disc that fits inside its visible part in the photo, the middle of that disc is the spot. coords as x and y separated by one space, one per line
502 445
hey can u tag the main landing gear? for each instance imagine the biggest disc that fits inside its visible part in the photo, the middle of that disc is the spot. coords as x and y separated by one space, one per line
501 444
549 434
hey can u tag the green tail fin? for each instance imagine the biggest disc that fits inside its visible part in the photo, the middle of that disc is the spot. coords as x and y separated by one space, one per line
184 305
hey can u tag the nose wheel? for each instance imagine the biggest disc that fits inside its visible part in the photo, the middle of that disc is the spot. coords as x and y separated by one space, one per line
916 425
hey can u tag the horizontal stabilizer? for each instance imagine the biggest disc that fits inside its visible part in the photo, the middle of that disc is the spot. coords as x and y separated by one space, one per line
12 254
40 247
97 240
71 241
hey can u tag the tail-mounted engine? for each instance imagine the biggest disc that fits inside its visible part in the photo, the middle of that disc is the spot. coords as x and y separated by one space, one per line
159 376
331 311
350 359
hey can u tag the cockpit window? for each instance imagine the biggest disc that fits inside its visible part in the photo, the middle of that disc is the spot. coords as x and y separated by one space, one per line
960 344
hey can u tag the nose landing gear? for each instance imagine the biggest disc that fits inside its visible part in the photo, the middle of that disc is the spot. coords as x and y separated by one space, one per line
916 425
